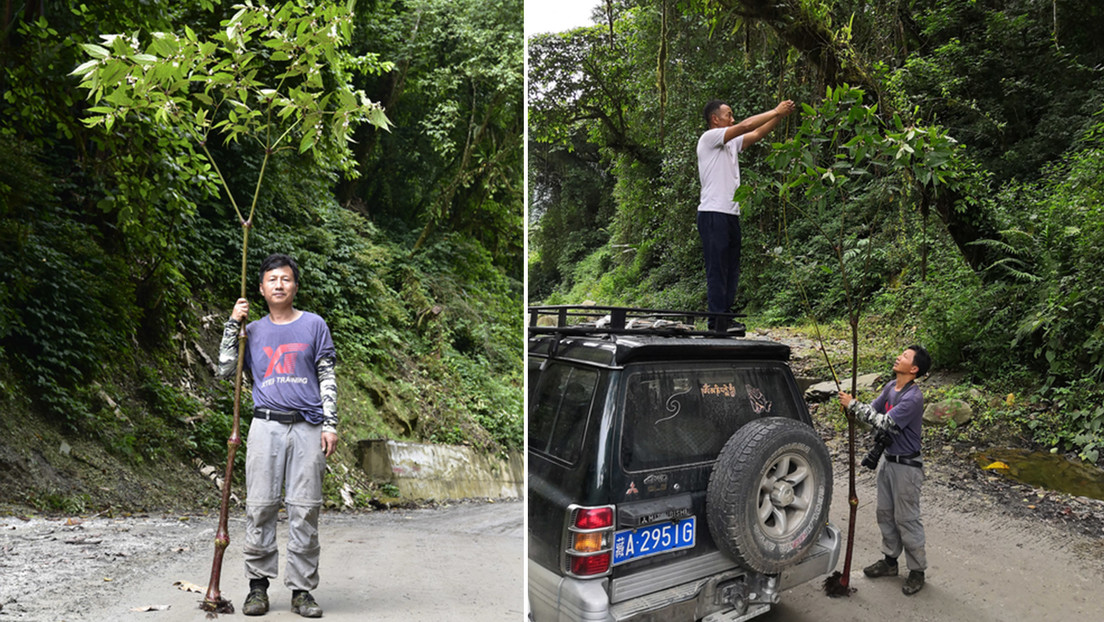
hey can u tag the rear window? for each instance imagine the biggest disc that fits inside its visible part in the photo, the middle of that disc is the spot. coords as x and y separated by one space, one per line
559 407
684 416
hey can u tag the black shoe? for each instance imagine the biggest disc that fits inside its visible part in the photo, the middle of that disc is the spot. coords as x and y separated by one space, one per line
256 604
303 604
914 583
880 568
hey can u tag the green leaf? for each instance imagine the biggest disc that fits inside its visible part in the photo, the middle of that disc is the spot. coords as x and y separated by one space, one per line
378 118
119 98
307 142
95 50
238 16
163 45
84 68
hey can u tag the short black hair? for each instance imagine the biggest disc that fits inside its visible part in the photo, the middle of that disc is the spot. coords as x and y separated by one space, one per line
711 109
279 260
921 359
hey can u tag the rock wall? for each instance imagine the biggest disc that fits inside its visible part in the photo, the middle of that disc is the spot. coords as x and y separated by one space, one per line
422 471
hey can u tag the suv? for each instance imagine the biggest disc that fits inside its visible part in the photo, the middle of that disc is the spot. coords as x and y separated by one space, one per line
674 472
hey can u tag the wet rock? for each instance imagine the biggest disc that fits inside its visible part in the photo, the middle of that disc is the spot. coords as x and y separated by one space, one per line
825 390
955 410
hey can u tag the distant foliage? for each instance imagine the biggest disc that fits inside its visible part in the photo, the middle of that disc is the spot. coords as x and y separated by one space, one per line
63 310
123 253
956 180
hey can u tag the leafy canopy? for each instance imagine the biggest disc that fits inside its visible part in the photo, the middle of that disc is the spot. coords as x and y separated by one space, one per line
269 74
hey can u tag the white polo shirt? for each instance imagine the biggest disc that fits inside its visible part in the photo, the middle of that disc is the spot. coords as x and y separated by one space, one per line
719 171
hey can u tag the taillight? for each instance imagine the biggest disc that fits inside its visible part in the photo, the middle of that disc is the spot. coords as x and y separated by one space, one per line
590 566
588 540
594 518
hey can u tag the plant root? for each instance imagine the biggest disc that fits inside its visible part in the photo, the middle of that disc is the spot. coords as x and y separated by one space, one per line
836 587
221 605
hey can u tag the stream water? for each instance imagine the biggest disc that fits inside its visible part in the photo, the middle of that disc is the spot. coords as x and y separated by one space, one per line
1045 470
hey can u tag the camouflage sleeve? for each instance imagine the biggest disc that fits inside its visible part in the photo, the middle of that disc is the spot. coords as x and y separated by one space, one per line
866 413
327 385
228 349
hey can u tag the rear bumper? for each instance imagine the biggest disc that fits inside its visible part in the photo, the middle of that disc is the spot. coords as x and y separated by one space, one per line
555 598
820 560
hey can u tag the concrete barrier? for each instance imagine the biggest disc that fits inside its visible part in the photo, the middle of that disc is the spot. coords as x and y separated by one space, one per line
422 471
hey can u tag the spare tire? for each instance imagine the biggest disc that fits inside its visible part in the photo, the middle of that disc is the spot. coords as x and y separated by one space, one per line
769 493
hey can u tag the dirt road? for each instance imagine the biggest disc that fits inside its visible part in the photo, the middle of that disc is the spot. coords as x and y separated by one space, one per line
458 562
984 564
989 562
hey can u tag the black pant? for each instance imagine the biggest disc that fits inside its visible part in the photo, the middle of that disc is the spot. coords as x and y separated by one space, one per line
720 235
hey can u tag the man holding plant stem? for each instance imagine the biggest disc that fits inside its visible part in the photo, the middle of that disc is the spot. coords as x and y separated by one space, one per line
719 173
290 356
899 411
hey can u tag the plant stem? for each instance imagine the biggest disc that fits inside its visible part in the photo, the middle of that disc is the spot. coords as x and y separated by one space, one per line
213 600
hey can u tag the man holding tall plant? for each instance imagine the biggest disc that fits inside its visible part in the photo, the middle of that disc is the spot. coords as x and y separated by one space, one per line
290 355
718 213
898 412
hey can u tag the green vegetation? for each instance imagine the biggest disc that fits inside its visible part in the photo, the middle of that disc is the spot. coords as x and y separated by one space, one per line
941 183
122 250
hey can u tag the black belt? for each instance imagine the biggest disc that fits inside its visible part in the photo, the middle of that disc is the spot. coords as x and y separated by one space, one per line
279 416
906 460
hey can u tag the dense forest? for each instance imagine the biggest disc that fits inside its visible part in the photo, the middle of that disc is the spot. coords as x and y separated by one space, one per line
941 181
379 142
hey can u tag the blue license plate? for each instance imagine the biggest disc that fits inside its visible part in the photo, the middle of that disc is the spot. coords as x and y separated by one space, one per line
632 544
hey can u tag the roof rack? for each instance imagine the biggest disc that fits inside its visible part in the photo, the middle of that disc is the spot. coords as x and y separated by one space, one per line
598 319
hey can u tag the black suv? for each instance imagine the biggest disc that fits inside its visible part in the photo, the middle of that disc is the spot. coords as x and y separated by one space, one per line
674 472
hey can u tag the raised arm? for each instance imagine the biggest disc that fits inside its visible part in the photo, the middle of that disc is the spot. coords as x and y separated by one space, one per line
756 127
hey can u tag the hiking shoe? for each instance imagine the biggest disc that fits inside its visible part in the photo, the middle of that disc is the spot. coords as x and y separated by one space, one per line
256 604
303 604
881 568
914 583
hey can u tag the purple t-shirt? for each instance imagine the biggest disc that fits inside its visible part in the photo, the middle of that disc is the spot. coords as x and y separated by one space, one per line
283 359
906 408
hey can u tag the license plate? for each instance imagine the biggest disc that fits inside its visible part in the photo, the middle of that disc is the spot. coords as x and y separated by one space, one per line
632 544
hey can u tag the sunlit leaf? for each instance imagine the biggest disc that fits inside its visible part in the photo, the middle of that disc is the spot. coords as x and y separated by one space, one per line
95 50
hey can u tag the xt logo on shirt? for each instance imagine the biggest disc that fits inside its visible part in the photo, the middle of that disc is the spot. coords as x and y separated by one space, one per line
282 360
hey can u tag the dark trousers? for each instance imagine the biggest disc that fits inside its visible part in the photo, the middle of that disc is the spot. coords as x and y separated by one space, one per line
720 236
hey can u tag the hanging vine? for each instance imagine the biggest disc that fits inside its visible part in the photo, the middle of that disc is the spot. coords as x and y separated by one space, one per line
661 69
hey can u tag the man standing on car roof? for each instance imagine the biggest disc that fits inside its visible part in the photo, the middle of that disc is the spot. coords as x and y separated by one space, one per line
899 411
718 214
290 356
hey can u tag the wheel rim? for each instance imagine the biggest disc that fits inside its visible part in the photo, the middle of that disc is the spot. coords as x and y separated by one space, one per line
786 495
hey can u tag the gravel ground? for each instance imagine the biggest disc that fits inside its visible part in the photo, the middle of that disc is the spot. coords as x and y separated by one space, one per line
459 561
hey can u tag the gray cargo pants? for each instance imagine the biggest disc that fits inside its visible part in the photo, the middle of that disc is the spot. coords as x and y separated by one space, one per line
283 456
899 513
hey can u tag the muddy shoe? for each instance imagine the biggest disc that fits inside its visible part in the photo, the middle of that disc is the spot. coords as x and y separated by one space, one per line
914 583
880 568
303 604
256 604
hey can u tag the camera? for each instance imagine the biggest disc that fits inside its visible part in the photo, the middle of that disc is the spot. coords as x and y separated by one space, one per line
882 439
